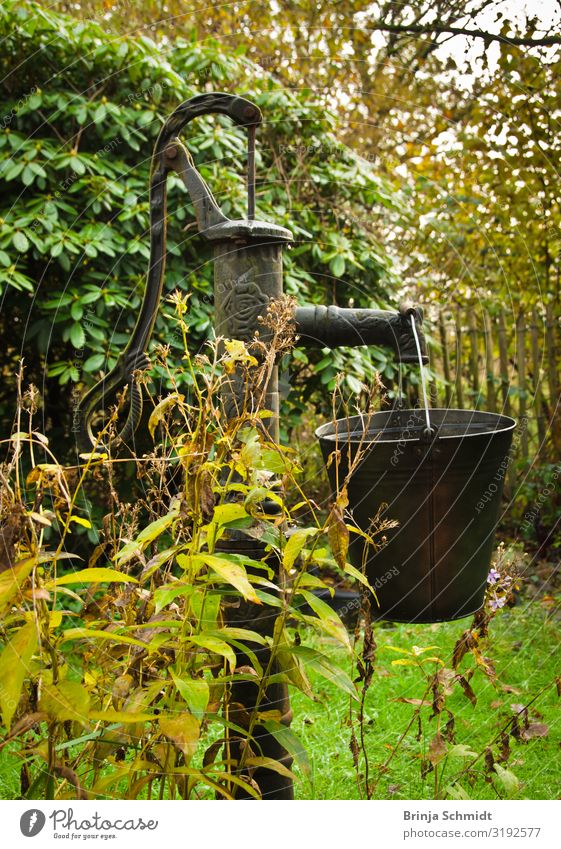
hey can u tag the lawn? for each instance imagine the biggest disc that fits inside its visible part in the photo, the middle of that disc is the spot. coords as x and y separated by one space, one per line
523 644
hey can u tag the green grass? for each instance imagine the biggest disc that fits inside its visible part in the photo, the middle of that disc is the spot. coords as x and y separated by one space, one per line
523 644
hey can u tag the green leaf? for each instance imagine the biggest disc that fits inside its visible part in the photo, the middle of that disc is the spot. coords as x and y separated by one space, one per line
148 535
14 668
27 176
337 266
100 113
216 646
19 241
225 513
324 667
77 335
94 575
320 607
94 363
155 529
195 692
461 751
92 634
353 383
164 595
456 791
77 311
77 166
289 741
351 570
508 779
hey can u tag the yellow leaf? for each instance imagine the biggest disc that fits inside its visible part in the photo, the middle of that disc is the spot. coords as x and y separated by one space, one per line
236 352
230 572
79 521
12 579
183 731
94 575
14 666
122 716
294 546
38 517
91 634
158 413
417 651
55 618
68 700
223 514
268 763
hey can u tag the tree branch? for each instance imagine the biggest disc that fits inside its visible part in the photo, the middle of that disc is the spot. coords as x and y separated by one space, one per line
435 29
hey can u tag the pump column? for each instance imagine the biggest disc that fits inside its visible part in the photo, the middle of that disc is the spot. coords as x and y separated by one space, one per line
247 275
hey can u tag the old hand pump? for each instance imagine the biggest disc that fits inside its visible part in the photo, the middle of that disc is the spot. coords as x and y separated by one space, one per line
247 274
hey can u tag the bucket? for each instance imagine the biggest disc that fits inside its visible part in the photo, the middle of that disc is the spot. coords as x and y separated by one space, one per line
443 489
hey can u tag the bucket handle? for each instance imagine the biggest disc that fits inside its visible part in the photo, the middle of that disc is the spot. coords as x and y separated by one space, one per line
429 432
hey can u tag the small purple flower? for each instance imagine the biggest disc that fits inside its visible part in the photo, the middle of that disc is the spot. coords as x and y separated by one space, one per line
493 576
497 603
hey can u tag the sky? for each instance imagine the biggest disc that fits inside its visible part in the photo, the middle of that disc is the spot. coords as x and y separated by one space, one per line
466 51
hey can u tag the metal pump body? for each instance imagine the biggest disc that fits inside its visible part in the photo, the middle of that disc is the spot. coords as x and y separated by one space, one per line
247 275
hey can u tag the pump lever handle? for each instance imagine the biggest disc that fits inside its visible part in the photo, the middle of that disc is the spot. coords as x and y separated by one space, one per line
207 211
244 113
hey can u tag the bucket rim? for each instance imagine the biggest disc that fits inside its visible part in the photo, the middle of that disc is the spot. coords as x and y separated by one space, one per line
326 430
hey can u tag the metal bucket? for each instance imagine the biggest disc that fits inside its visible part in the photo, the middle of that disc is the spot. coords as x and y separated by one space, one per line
444 491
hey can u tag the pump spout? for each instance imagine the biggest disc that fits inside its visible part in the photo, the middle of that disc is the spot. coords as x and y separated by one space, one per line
335 327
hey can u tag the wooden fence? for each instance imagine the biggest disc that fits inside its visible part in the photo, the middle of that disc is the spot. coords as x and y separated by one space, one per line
488 361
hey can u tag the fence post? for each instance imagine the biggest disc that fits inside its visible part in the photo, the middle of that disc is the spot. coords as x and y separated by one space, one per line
474 355
521 365
536 368
555 422
458 375
445 357
503 361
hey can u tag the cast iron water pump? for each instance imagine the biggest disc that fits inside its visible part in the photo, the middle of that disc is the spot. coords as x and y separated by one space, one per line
247 276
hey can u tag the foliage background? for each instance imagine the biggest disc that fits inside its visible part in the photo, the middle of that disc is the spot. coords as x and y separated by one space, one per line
81 118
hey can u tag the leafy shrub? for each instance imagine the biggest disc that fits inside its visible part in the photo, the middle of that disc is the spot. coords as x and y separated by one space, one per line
81 113
132 668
